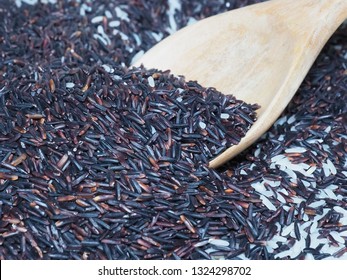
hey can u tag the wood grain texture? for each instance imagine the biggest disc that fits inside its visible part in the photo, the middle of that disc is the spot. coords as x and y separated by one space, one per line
260 54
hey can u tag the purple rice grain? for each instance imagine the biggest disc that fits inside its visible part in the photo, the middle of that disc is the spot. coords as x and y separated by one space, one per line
75 131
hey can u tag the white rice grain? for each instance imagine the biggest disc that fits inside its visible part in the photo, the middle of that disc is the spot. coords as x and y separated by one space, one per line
101 31
202 125
201 243
70 85
297 248
297 200
281 121
337 237
331 167
315 241
121 14
326 170
173 6
281 198
191 21
267 203
243 172
278 158
328 129
283 254
326 193
157 36
288 229
108 14
84 8
309 256
97 19
107 68
291 119
295 150
218 242
314 227
311 170
306 183
123 36
48 1
29 2
291 174
257 152
259 187
341 210
305 217
316 204
114 23
97 36
151 81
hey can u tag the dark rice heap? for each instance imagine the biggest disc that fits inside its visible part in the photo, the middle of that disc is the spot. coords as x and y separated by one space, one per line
98 161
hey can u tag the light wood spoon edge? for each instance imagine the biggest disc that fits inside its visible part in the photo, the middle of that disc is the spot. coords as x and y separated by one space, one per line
272 44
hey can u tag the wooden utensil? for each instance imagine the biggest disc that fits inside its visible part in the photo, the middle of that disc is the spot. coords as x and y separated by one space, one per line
260 54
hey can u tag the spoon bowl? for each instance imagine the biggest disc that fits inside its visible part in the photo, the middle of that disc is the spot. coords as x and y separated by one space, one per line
260 54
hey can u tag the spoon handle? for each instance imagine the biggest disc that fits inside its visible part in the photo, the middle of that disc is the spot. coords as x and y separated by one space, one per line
328 13
313 19
308 25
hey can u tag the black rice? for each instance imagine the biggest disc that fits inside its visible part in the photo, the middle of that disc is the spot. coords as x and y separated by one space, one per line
99 161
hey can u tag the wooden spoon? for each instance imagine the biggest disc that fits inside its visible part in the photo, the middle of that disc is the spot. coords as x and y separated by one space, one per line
260 54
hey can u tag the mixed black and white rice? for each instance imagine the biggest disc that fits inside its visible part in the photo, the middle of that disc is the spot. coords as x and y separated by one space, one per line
101 161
